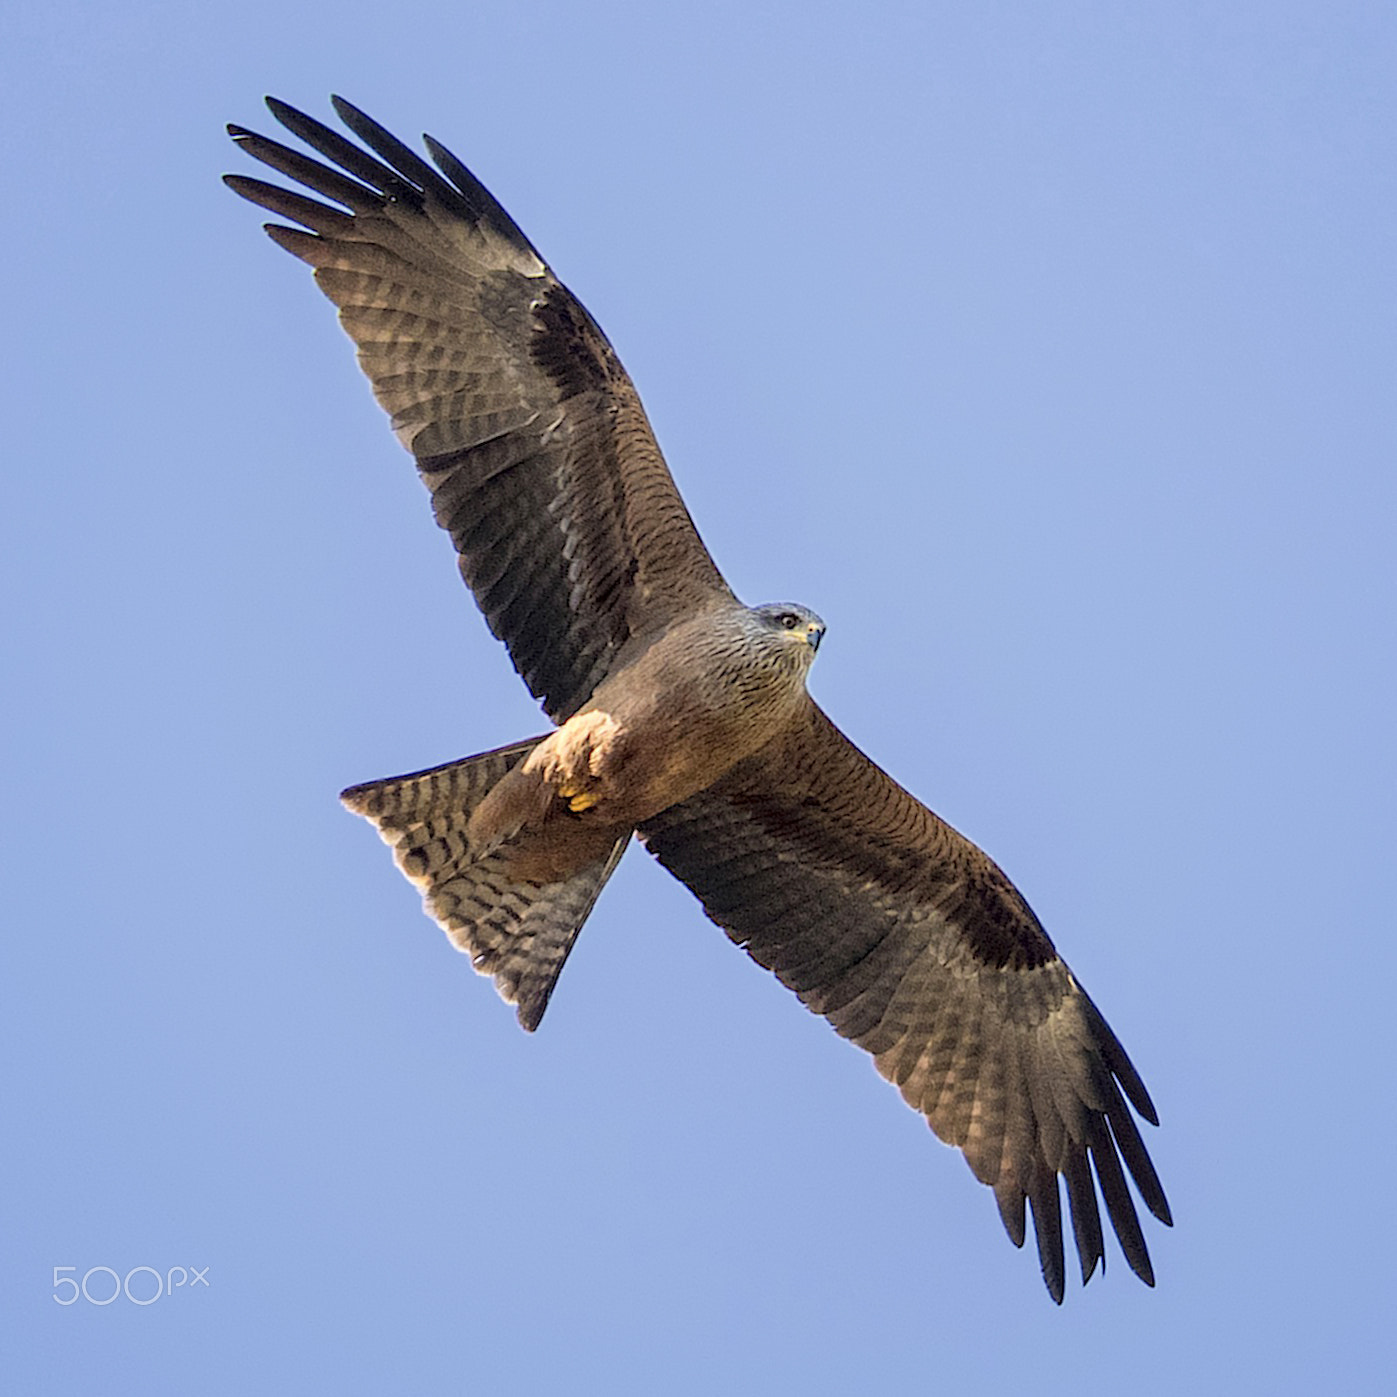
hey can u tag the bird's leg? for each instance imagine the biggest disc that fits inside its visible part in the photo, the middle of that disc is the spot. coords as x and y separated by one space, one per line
573 760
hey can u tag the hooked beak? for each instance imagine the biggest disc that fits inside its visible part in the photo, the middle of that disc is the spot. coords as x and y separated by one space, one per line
814 633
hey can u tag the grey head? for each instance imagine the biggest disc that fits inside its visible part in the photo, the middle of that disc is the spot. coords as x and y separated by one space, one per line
793 621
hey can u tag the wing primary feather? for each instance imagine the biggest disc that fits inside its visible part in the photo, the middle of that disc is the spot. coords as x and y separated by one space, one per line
318 217
1119 1206
296 241
1010 1198
1137 1160
344 153
291 163
1118 1061
401 157
483 204
1086 1216
1046 1204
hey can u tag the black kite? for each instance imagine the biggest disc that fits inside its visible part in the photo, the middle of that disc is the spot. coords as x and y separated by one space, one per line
682 715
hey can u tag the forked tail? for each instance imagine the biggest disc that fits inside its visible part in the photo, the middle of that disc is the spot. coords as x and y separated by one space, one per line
519 931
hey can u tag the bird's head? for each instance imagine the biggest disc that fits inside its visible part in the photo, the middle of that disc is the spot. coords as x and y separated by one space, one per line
795 624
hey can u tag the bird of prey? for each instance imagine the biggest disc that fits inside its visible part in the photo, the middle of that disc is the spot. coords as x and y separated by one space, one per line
681 716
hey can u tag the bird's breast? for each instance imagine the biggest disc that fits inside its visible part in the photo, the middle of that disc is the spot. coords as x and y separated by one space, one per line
674 722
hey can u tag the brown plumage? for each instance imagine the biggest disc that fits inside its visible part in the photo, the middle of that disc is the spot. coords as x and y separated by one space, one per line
681 714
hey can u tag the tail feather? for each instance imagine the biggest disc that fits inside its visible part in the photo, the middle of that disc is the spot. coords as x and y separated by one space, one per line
519 931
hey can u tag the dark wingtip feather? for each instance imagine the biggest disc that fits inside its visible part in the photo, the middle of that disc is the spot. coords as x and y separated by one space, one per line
1011 1211
321 218
296 241
484 204
406 161
1137 1160
352 193
1086 1216
380 178
301 124
377 137
1118 1060
1119 1206
1046 1205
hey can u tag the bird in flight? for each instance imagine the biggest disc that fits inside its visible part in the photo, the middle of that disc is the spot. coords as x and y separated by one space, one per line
680 715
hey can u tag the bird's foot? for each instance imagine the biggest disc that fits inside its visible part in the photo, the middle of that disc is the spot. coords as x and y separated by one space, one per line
577 798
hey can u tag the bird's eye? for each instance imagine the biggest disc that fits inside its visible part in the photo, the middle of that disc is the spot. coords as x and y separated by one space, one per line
789 620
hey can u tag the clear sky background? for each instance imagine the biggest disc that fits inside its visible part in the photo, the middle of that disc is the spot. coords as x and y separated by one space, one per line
1047 350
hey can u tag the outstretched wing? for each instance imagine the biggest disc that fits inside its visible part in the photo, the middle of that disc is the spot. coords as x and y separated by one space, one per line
526 429
913 944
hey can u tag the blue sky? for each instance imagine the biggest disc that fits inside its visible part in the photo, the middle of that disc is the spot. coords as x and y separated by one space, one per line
1047 350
